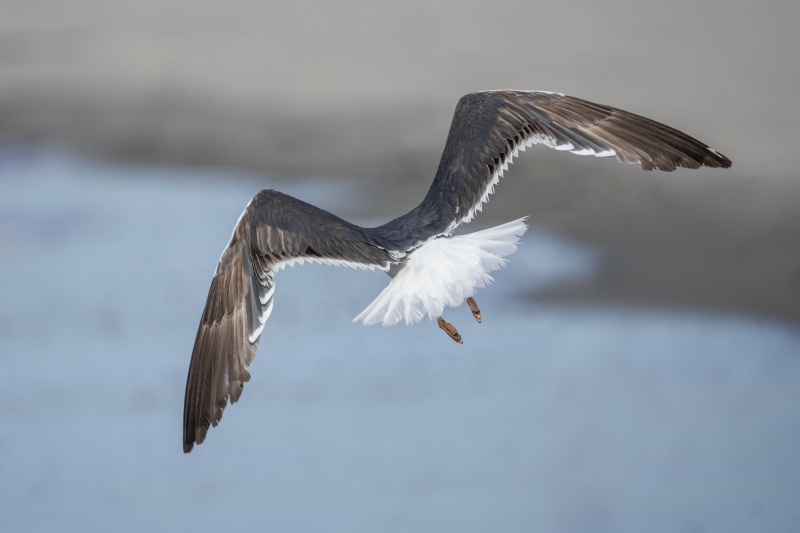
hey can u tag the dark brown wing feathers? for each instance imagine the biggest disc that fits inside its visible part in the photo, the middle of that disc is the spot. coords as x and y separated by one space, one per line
486 130
488 126
274 228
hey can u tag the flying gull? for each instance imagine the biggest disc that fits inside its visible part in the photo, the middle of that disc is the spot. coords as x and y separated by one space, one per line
429 267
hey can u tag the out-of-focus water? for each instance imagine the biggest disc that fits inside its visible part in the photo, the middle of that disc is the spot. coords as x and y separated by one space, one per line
547 418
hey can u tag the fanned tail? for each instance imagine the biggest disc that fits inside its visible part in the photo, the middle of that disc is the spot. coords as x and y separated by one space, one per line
443 271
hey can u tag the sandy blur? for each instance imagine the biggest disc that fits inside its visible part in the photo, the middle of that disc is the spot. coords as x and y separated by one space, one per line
366 90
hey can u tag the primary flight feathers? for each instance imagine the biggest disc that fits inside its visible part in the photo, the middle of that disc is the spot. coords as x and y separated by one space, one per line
488 130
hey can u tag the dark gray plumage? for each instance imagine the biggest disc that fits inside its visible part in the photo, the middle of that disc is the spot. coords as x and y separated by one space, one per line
274 228
487 129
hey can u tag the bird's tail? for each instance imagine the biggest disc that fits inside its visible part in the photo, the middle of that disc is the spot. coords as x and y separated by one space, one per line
443 271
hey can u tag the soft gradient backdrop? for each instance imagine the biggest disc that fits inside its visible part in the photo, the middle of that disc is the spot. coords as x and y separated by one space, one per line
638 368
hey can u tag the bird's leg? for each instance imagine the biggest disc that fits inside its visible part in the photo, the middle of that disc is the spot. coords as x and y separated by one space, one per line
449 329
473 306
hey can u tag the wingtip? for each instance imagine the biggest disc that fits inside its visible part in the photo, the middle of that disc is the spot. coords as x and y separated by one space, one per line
193 435
188 442
723 161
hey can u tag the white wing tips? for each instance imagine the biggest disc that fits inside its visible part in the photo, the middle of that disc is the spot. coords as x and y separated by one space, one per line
589 151
443 272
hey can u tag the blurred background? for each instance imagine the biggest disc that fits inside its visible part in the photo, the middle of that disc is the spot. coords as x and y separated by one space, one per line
638 366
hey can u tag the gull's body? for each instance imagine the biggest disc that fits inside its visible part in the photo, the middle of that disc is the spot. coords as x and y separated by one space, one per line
429 267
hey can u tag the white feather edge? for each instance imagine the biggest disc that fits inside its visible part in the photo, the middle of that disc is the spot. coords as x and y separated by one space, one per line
521 147
262 319
521 91
330 262
267 300
443 272
394 254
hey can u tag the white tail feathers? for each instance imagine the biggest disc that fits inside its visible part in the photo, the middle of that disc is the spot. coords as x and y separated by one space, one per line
443 271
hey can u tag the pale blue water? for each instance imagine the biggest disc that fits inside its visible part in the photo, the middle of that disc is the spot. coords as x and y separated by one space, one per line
546 419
